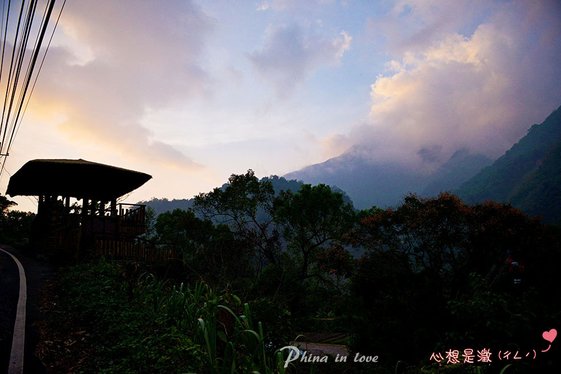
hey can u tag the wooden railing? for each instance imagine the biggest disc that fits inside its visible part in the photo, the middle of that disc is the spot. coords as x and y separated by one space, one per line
129 250
133 213
132 219
112 232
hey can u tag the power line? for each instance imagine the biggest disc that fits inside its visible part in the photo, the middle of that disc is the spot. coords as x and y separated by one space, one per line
40 67
30 72
25 51
4 34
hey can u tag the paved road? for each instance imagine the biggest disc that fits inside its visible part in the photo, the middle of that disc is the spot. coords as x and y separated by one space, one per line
36 273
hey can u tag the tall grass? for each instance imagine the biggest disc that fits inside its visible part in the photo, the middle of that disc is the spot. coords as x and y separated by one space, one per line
148 325
243 344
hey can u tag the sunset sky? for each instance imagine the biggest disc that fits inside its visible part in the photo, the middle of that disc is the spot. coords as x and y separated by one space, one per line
193 91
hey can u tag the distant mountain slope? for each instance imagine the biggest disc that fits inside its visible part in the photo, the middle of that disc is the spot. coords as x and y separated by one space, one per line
462 166
528 175
164 205
385 184
540 194
366 183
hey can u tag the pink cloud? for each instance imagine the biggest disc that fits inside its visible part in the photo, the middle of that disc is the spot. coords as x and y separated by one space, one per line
139 56
480 91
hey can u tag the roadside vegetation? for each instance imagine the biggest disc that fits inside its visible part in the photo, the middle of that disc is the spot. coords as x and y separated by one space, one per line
115 319
15 226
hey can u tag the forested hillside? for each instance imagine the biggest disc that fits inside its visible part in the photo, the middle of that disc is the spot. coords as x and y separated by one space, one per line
528 175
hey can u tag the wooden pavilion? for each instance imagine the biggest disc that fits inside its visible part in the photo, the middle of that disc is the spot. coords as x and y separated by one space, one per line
94 220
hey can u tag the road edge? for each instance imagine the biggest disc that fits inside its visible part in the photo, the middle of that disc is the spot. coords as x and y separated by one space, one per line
18 338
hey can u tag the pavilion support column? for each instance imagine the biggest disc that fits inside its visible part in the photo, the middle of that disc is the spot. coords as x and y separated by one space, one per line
102 214
41 205
67 204
114 208
85 206
102 208
92 207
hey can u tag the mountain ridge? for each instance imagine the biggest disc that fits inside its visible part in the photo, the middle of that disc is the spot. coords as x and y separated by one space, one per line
528 175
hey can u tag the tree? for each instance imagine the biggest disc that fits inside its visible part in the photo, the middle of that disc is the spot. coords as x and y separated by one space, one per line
180 228
208 250
245 205
5 204
433 233
312 220
15 226
483 272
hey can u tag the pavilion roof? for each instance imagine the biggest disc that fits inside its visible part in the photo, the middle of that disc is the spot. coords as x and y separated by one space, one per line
74 178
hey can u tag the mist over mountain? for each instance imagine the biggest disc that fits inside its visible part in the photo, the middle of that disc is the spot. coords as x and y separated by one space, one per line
385 184
366 183
528 175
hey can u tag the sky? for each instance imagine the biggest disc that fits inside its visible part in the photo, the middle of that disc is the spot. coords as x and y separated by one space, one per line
191 92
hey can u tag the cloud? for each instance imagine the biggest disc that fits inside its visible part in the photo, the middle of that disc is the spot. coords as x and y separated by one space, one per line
285 5
413 25
138 56
480 91
291 53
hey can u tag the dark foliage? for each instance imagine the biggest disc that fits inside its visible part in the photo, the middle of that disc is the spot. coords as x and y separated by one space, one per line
439 274
15 226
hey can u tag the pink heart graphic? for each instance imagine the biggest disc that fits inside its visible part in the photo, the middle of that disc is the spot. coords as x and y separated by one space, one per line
550 335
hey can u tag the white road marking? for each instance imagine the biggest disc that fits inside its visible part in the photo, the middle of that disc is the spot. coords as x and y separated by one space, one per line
18 339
